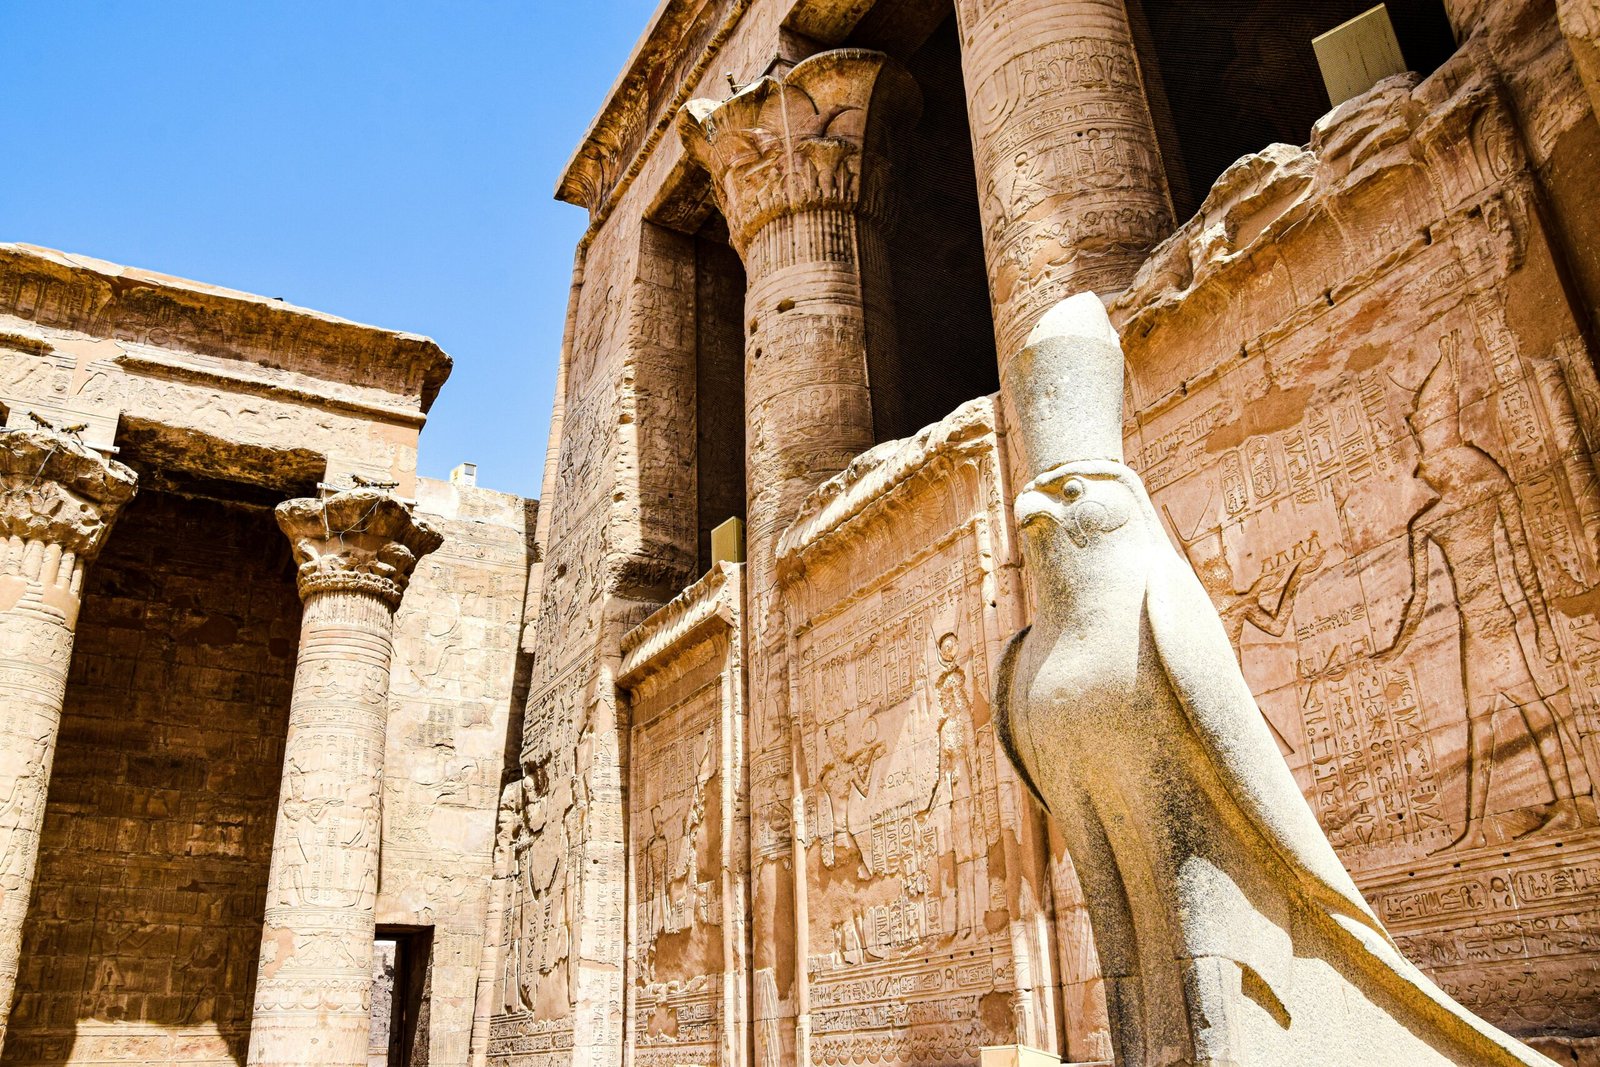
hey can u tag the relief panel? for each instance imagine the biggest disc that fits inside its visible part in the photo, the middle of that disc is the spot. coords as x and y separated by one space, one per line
1379 462
922 865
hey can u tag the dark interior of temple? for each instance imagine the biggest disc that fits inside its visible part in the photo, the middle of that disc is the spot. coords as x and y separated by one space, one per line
1230 79
942 352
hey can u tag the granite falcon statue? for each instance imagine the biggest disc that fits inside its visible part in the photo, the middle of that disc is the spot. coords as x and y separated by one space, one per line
1228 931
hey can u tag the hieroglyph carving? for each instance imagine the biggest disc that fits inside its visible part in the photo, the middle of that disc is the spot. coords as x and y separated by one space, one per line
689 967
58 500
797 166
1386 442
356 551
1071 185
1228 931
922 872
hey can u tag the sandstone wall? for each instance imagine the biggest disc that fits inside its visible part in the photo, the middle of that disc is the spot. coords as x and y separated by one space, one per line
1361 394
142 940
921 932
618 537
689 858
1277 344
450 706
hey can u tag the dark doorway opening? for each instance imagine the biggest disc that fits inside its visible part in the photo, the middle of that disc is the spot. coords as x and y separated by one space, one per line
1229 79
718 384
400 971
942 351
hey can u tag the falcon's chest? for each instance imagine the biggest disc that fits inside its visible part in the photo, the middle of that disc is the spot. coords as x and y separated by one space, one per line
1080 683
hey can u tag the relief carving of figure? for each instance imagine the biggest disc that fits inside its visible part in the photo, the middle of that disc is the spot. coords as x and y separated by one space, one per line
1208 556
846 775
309 820
1476 522
960 784
25 769
1238 607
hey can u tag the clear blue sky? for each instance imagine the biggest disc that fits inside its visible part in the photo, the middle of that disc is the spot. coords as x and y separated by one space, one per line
390 162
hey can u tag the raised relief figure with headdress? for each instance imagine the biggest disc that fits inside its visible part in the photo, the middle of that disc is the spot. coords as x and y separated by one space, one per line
1476 522
1227 929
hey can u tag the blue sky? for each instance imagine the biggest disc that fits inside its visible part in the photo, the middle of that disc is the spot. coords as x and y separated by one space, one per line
390 162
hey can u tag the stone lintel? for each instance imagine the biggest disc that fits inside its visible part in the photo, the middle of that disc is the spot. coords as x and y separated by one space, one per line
58 491
58 290
623 134
708 605
360 540
865 490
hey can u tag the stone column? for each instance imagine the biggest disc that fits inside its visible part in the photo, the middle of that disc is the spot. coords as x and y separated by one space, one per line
1071 187
356 551
58 500
797 167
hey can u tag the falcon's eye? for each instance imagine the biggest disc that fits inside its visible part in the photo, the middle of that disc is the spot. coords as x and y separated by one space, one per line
1073 488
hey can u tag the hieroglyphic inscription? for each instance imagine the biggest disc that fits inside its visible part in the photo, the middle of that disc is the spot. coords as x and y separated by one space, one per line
905 873
1395 515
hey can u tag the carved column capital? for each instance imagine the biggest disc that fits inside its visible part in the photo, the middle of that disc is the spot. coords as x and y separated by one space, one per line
803 141
358 541
56 490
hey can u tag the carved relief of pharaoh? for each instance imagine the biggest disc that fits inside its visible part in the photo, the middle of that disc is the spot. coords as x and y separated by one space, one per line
1476 522
1227 929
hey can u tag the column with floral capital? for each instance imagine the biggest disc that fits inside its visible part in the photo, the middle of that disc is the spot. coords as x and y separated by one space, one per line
58 499
356 550
799 167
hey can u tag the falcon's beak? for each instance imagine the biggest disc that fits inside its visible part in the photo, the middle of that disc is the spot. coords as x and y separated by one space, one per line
1034 506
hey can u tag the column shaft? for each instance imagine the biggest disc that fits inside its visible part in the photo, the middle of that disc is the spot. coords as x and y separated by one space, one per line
356 551
313 993
1071 188
796 165
808 412
57 502
36 633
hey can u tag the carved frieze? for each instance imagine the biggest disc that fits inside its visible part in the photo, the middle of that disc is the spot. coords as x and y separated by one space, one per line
1374 441
923 868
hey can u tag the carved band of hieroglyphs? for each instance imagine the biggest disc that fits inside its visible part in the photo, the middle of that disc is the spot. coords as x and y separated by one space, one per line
356 551
58 500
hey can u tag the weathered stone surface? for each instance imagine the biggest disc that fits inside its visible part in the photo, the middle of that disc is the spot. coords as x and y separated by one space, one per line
920 925
1409 424
689 831
1228 931
143 939
1070 178
141 943
1300 306
58 500
451 692
796 166
355 550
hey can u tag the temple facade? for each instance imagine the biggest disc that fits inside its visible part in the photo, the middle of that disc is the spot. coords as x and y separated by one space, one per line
760 817
257 681
307 760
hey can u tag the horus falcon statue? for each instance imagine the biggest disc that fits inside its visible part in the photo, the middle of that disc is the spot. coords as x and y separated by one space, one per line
1229 934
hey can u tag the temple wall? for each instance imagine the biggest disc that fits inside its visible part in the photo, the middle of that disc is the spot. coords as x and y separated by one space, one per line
688 857
1358 384
142 939
451 695
921 927
1277 343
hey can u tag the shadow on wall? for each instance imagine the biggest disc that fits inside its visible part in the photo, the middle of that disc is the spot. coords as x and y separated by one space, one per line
142 939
